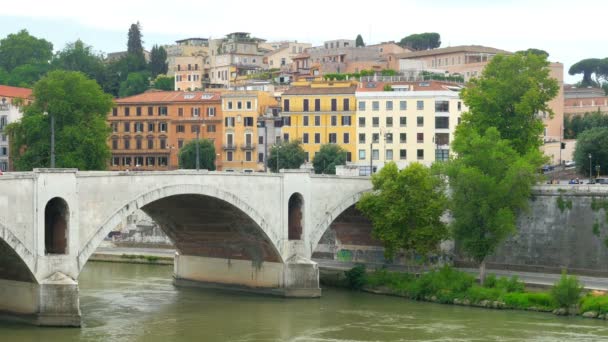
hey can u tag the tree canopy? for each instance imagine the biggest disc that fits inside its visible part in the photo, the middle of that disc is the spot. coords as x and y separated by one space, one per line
135 49
594 141
329 156
158 61
136 83
359 41
534 51
22 48
406 208
187 155
588 67
79 107
78 56
510 93
421 41
577 124
286 155
164 83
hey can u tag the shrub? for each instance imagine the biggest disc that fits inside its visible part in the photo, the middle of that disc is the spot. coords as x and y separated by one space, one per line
356 277
394 280
490 281
594 303
447 280
510 284
567 291
477 293
541 300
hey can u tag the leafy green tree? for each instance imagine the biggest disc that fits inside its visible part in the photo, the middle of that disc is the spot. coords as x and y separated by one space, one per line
164 83
594 141
359 41
22 48
158 61
588 67
135 49
329 156
490 183
421 41
27 74
78 56
508 95
286 155
136 83
406 208
576 124
79 107
534 51
187 155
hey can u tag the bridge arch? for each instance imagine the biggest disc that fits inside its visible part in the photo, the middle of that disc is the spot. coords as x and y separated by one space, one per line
195 197
16 261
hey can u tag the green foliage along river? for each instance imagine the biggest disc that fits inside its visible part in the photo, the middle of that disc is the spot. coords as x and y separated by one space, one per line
125 302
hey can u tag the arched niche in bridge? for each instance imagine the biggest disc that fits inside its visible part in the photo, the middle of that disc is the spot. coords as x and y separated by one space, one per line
295 219
56 223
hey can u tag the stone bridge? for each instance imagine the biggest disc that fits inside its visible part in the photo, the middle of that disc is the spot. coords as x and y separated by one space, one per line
247 231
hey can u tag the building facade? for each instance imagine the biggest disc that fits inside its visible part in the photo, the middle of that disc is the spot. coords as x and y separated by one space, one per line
189 73
237 54
149 129
320 113
10 111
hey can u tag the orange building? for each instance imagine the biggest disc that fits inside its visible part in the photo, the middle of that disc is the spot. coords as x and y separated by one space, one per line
149 129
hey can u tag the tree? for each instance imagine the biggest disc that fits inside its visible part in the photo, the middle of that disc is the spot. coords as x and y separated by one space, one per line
164 83
136 83
21 48
490 183
158 61
187 155
406 208
286 155
594 141
421 41
27 75
359 41
588 67
79 107
510 93
135 49
329 156
576 124
534 51
78 56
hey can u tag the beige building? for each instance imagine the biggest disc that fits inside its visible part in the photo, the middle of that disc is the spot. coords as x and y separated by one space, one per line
189 72
413 123
237 54
282 57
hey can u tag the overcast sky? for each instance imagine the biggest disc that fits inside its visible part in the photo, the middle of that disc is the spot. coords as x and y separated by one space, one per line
568 30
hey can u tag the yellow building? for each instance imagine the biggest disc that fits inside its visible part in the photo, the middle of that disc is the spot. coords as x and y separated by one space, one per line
321 112
240 132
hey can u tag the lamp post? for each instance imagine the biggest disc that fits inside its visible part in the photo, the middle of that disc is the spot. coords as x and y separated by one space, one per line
52 139
590 168
278 149
597 169
198 162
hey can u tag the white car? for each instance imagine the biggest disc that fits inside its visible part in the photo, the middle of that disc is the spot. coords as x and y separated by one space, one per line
569 163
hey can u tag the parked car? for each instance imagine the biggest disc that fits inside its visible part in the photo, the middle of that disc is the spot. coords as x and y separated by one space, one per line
569 163
601 181
547 168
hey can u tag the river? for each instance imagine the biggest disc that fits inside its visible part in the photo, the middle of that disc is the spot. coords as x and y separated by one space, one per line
126 302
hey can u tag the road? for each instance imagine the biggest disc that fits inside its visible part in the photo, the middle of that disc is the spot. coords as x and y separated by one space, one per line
535 279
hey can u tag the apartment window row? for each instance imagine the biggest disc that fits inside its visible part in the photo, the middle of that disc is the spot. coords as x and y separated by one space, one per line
138 143
389 138
238 105
187 67
139 161
389 154
332 138
160 111
389 105
315 105
230 156
248 121
138 127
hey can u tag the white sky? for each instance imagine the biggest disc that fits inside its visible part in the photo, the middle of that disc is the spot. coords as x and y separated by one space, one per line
568 30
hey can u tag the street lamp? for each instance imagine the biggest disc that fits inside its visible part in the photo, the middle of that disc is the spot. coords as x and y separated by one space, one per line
52 139
278 149
590 168
597 169
198 153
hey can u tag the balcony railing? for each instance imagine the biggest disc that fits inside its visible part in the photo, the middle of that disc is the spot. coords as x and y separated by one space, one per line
229 147
247 147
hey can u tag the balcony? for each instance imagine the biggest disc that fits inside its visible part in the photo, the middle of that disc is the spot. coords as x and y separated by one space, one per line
229 147
247 147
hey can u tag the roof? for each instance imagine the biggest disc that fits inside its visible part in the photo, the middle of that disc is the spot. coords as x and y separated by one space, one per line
8 91
307 90
170 96
452 49
414 86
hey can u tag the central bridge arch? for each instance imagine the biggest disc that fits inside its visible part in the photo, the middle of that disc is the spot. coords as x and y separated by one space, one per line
200 220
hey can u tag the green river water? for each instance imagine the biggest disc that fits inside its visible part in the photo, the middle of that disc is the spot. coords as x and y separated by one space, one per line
126 302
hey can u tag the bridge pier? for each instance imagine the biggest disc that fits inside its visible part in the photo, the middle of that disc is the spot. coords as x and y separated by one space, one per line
298 278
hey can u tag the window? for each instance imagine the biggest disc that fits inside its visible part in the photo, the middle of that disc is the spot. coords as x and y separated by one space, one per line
229 122
127 126
239 105
402 138
139 127
127 143
150 144
248 156
317 138
286 137
114 129
150 126
419 137
389 155
375 121
150 111
162 127
180 143
180 111
286 121
442 154
375 106
402 154
211 129
332 138
402 121
138 111
115 161
127 111
420 121
420 105
163 143
375 155
361 138
248 121
389 105
442 122
361 105
114 111
305 105
114 144
442 106
389 121
305 138
230 104
305 120
261 140
162 161
138 144
195 111
345 105
317 105
334 105
402 105
162 111
210 111
346 138
420 154
375 137
261 157
334 120
459 106
388 137
345 120
229 156
361 122
361 154
194 128
286 105
317 120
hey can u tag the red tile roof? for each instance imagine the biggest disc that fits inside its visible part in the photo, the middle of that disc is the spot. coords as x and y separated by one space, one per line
8 91
170 96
